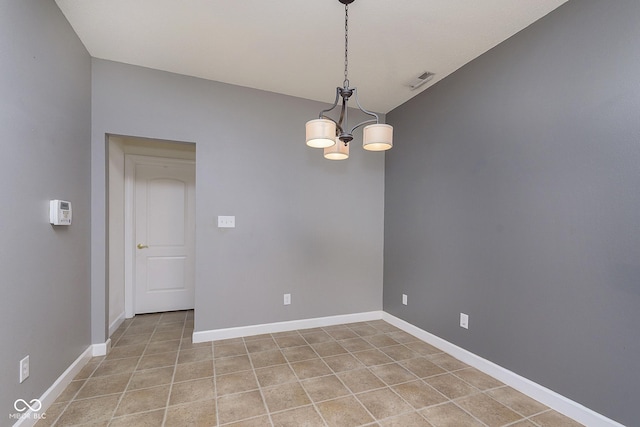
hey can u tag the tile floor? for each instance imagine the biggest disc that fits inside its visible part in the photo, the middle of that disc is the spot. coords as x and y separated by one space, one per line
359 374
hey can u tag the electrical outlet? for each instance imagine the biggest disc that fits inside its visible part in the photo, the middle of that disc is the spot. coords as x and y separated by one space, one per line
287 299
226 221
404 299
464 320
24 369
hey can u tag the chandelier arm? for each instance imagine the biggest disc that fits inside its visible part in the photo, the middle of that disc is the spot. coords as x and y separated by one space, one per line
335 103
363 123
370 113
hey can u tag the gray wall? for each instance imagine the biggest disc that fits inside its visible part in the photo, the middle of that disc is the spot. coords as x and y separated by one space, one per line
304 225
45 119
513 195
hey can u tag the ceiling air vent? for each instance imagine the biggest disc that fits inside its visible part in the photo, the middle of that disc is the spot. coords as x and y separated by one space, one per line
421 79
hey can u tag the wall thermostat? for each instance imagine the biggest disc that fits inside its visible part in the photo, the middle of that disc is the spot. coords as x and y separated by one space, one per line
59 212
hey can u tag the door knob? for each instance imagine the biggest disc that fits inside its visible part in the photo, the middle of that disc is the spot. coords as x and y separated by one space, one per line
141 246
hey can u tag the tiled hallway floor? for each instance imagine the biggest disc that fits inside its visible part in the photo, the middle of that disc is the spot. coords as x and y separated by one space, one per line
369 374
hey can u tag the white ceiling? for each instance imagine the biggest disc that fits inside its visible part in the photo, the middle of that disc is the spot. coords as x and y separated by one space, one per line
296 47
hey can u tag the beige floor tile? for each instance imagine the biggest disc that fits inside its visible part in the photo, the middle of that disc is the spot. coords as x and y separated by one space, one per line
192 391
383 403
517 401
324 388
402 337
143 400
157 360
285 396
447 362
140 329
383 326
317 337
162 347
412 419
344 412
89 368
448 415
145 419
69 392
228 350
399 352
236 382
262 421
257 337
364 330
451 386
166 335
553 419
524 423
373 357
151 378
125 351
51 414
478 379
100 386
422 348
393 373
419 394
422 367
133 339
274 375
187 343
257 346
305 416
297 354
343 362
356 344
228 341
310 368
89 410
488 410
195 355
349 372
329 348
342 334
360 380
228 365
114 367
290 341
236 407
193 371
380 340
196 414
267 358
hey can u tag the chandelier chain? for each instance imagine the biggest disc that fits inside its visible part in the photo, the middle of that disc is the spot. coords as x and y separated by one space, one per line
346 45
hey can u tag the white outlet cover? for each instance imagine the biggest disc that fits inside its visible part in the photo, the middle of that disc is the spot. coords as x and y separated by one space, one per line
226 221
24 369
287 299
464 320
404 299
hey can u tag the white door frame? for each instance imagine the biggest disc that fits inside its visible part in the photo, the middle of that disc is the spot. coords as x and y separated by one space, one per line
130 163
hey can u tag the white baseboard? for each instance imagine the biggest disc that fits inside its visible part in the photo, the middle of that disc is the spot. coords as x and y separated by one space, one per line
542 394
116 323
270 328
101 349
48 397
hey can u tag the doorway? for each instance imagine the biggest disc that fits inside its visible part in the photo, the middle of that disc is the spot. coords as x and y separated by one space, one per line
151 227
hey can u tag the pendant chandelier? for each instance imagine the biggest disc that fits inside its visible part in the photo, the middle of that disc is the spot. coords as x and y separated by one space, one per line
334 136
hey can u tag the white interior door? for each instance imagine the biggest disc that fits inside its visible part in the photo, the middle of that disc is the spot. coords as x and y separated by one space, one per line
164 235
